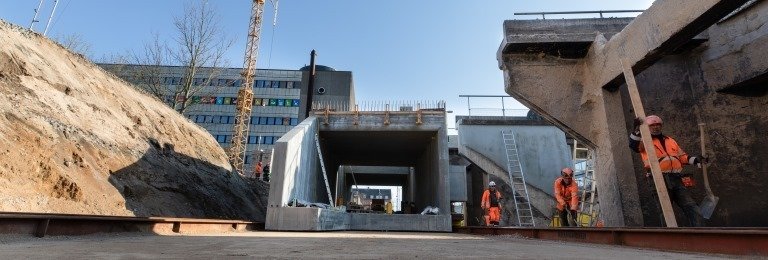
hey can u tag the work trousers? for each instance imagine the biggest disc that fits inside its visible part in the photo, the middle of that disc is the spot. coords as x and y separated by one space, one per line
680 195
564 216
493 216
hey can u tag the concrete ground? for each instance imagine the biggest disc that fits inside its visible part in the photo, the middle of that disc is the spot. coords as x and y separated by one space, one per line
334 245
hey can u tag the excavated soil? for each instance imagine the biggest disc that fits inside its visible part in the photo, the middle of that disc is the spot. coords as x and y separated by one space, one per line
75 139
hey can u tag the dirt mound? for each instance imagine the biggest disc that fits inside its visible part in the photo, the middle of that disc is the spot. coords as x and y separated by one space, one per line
75 139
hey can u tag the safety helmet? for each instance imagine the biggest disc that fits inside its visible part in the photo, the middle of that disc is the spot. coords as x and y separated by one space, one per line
652 119
492 184
566 171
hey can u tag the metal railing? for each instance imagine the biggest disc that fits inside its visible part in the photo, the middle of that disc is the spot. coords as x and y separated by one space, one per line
601 12
489 109
377 105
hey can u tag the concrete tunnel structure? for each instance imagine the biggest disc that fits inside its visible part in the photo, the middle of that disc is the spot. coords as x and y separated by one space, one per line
391 148
694 61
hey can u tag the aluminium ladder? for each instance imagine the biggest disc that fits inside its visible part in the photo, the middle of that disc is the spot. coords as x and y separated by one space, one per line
522 202
322 166
584 161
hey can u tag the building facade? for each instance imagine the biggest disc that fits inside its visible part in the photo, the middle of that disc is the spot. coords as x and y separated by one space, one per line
279 102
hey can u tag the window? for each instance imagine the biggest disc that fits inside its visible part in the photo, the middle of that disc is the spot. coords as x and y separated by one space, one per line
230 120
281 102
263 120
247 159
294 121
269 140
222 120
275 84
215 119
270 120
286 121
228 138
295 102
221 139
289 84
259 83
252 139
283 84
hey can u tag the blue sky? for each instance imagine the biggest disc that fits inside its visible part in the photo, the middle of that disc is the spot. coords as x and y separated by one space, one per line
397 50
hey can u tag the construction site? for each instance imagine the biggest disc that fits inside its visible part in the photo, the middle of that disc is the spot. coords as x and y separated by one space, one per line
280 163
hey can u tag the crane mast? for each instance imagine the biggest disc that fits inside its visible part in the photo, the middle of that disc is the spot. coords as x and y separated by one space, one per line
245 94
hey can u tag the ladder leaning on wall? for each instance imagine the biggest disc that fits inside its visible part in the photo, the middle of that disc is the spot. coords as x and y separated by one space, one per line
584 167
523 207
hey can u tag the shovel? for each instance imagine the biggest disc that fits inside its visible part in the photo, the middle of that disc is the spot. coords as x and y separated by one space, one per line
707 206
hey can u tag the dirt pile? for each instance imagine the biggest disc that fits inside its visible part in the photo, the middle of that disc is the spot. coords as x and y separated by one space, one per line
75 139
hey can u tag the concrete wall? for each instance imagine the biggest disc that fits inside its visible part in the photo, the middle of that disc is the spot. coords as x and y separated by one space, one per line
715 80
295 166
543 150
724 78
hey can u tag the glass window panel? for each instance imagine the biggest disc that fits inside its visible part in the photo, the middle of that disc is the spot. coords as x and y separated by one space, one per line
294 121
270 120
262 120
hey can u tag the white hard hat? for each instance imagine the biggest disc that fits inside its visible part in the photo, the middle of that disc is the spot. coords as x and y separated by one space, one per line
491 184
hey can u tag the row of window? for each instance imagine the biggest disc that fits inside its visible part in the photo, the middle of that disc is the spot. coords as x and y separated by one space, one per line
252 139
233 82
255 120
280 102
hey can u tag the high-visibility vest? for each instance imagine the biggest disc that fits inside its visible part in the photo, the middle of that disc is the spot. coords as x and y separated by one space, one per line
485 201
671 159
566 193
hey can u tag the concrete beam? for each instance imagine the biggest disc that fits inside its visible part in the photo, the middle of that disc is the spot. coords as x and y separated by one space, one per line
664 27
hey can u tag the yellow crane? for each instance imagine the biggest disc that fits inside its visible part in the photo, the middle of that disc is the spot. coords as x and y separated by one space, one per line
245 94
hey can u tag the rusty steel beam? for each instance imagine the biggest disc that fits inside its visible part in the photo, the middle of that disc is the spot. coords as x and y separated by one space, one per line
732 241
42 224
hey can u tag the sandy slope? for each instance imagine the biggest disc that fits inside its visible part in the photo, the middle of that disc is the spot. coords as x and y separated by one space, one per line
75 139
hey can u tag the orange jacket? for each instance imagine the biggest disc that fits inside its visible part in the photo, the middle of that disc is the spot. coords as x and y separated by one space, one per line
671 159
566 193
485 202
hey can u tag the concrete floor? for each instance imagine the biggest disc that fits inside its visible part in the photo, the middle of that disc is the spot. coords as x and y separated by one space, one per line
335 245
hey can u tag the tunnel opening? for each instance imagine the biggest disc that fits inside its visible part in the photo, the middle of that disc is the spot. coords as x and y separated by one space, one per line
406 159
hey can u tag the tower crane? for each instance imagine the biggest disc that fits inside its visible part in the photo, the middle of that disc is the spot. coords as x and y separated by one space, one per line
245 94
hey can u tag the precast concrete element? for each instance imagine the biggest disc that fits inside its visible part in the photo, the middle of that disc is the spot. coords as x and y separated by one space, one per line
408 149
294 167
392 138
399 222
578 95
542 148
307 219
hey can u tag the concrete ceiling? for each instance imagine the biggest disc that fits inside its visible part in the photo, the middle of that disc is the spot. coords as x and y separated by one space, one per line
380 148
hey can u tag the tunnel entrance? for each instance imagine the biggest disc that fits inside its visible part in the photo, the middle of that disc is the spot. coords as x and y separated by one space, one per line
405 149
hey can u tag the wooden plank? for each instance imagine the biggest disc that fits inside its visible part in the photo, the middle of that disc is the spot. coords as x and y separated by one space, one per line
658 179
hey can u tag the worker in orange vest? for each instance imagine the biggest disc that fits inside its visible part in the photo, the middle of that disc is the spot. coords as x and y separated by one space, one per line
491 204
671 161
567 196
257 170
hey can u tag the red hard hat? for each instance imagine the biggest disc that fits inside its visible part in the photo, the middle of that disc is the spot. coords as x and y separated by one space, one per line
566 170
652 119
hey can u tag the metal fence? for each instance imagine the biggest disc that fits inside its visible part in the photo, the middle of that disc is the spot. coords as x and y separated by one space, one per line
378 105
492 105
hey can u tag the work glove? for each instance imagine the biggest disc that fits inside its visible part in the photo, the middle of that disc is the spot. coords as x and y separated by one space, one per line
637 122
698 160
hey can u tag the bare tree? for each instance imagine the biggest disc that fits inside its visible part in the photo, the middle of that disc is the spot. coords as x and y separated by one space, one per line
150 72
74 43
200 49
